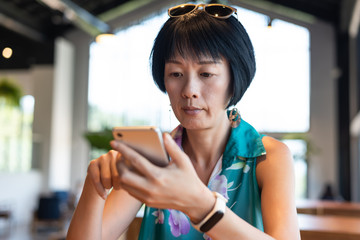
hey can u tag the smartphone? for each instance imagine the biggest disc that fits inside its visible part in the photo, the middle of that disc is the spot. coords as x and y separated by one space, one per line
146 140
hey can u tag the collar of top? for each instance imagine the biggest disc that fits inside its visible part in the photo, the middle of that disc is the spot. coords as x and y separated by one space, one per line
244 142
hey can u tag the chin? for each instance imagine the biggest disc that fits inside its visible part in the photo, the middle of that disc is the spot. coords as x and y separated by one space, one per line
194 124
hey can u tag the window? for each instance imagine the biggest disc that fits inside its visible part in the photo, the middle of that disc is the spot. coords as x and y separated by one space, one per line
282 75
16 135
122 92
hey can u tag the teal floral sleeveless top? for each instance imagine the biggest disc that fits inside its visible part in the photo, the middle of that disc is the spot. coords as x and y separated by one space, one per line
234 177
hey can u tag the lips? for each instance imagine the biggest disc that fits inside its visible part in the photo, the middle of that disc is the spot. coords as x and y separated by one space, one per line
191 110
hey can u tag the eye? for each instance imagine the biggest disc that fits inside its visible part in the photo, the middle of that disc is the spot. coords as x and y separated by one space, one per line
176 74
206 75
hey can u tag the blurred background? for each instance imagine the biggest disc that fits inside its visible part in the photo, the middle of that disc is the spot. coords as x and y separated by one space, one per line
70 70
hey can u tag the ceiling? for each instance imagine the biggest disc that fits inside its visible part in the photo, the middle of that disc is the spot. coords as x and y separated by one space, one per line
30 26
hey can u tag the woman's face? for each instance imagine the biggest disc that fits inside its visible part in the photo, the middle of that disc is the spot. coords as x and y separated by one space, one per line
198 90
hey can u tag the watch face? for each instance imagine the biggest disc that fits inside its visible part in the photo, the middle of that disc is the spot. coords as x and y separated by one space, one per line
212 221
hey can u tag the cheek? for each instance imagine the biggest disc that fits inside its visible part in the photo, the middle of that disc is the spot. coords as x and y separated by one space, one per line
171 91
168 87
222 93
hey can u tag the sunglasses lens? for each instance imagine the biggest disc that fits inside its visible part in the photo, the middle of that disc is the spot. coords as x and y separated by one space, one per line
218 11
181 10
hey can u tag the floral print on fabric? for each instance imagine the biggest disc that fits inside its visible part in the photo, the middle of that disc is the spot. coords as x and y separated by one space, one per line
240 163
159 214
219 184
176 134
237 165
179 223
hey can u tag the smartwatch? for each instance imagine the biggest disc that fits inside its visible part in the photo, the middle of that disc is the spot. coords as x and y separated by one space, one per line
214 216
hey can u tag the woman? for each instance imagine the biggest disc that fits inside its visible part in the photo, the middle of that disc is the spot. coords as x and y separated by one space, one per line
224 181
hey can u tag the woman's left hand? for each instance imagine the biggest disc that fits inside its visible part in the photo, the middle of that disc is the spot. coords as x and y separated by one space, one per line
175 186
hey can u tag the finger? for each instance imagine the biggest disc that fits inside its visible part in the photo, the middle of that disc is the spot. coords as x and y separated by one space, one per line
143 190
135 184
94 173
105 171
115 178
174 151
135 160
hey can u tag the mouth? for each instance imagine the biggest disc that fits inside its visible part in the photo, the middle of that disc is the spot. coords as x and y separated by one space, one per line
191 110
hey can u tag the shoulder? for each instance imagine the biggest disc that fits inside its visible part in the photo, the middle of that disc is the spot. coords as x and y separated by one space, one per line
274 147
276 164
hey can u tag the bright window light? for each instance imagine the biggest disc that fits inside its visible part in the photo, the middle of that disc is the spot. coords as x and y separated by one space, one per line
278 98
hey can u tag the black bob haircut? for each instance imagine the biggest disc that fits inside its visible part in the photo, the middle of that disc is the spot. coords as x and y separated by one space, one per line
198 34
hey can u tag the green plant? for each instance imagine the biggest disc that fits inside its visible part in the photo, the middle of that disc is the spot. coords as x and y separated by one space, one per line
100 140
311 149
10 92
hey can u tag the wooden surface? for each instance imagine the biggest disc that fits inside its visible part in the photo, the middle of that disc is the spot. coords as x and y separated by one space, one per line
314 227
320 207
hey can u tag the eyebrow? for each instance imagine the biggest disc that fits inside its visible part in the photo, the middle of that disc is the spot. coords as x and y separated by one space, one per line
202 62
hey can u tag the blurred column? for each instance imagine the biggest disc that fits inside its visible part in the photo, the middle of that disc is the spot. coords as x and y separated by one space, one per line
62 113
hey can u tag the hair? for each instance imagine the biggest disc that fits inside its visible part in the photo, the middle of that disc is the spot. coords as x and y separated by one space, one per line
196 35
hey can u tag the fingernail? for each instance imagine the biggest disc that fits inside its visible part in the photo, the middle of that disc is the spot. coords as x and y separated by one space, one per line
106 193
104 196
113 144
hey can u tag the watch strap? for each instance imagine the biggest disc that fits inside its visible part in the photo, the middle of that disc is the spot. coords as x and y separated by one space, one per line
214 216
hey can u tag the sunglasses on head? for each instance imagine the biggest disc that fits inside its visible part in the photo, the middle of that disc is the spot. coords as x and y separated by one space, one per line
215 10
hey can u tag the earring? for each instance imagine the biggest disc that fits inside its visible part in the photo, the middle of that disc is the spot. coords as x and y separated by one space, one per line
234 117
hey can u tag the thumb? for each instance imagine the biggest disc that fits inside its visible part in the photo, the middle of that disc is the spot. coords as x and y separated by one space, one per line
178 157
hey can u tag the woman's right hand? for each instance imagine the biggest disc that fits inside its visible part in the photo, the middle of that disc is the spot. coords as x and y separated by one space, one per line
103 173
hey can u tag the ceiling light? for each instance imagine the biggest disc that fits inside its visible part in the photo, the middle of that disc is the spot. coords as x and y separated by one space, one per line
7 52
104 37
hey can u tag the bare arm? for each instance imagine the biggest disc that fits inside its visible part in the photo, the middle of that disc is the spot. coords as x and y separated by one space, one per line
277 182
87 218
95 217
120 209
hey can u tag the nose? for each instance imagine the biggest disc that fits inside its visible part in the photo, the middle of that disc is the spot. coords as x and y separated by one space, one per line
190 88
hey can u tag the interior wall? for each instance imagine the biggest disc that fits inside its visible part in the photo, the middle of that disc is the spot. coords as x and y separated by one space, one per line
323 105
